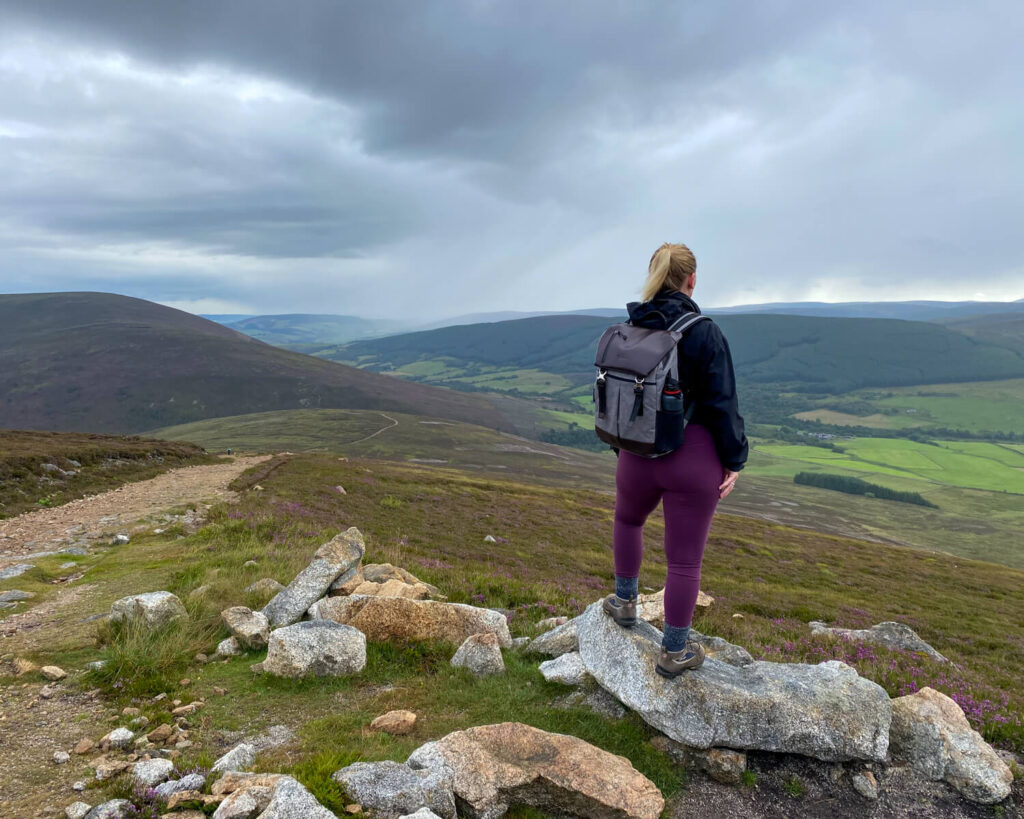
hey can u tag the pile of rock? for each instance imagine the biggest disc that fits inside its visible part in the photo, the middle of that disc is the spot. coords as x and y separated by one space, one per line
319 623
733 703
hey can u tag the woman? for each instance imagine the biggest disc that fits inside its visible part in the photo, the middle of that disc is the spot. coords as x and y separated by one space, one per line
691 480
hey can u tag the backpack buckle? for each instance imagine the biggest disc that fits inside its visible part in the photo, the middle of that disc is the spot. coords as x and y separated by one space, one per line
638 387
601 376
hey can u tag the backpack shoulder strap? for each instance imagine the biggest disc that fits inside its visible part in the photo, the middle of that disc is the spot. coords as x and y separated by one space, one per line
685 322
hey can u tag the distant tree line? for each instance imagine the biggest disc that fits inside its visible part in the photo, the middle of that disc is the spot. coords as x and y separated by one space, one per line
855 486
575 436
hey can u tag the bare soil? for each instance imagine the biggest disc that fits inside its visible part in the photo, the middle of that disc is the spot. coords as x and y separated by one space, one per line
100 516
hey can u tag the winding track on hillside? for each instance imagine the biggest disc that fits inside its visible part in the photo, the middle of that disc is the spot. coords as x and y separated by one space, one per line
94 517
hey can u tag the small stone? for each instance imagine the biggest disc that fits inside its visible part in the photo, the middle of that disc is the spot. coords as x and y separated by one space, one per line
481 654
737 616
14 596
48 692
249 564
79 786
152 609
185 710
725 765
95 665
220 692
353 809
107 769
398 723
865 784
567 669
185 683
84 746
77 810
152 772
240 758
549 623
490 539
61 757
159 697
120 540
130 712
341 491
118 738
161 733
228 648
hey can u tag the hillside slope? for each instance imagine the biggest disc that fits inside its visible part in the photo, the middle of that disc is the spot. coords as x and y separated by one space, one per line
108 363
817 354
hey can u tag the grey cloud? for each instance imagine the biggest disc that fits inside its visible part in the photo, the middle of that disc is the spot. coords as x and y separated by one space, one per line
471 155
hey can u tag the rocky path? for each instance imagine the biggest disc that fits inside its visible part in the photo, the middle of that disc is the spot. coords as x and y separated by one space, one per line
81 521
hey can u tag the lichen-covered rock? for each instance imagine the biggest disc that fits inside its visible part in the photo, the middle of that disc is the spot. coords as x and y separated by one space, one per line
245 804
151 772
481 654
250 628
493 767
889 634
15 596
240 758
53 672
330 561
931 733
120 738
189 782
77 810
422 813
319 647
291 800
825 711
113 809
397 618
567 669
560 640
391 789
151 610
228 647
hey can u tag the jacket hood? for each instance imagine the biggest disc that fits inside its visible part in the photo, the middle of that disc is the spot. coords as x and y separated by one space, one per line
662 310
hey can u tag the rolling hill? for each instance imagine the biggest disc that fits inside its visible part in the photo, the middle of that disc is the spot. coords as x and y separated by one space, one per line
911 310
303 329
809 353
109 363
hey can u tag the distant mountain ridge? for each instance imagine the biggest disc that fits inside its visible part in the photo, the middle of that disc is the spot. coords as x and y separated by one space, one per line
821 354
910 310
99 362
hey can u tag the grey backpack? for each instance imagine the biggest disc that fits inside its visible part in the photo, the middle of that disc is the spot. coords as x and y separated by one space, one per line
639 403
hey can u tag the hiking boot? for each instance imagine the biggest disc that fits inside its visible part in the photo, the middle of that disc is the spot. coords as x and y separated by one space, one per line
622 611
673 663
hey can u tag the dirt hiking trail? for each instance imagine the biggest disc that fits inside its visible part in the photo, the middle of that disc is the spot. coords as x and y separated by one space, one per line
98 516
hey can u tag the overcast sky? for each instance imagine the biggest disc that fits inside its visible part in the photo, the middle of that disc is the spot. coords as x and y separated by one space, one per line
433 158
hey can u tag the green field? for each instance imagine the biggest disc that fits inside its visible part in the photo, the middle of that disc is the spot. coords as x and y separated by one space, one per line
969 465
976 406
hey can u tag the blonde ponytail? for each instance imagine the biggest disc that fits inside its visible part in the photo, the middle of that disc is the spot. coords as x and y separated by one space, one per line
671 266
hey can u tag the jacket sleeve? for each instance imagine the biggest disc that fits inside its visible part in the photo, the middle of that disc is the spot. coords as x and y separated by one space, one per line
719 403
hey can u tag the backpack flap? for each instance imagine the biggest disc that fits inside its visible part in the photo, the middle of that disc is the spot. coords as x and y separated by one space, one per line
633 350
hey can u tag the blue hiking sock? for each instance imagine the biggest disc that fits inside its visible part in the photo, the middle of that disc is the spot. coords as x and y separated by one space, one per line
675 637
626 587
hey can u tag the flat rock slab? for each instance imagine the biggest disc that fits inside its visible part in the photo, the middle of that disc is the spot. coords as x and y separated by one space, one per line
889 634
494 767
17 570
931 732
398 618
331 560
825 711
391 789
560 640
318 647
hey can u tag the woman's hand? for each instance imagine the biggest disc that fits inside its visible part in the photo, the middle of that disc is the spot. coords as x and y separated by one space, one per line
728 483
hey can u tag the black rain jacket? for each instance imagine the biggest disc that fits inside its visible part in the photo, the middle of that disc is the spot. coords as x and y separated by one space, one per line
705 370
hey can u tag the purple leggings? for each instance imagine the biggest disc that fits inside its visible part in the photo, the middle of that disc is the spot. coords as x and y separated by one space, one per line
687 481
